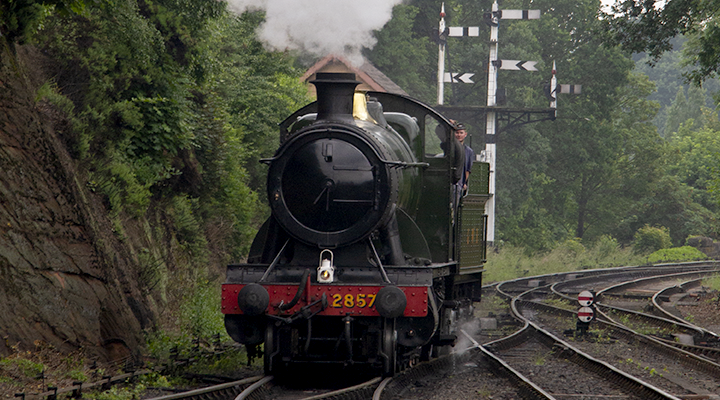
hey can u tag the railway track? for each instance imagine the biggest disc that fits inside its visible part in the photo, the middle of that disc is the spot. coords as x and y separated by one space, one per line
266 387
542 363
527 354
525 344
665 370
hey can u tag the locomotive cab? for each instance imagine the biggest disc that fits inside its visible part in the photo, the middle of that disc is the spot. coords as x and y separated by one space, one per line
359 263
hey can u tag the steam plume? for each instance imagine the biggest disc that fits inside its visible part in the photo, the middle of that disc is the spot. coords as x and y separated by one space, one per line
320 27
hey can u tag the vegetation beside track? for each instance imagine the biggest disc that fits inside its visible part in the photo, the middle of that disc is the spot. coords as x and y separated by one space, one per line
509 262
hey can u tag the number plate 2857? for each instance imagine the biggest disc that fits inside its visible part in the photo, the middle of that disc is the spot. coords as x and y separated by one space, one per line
359 300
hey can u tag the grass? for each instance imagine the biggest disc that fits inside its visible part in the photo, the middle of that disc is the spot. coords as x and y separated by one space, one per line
33 371
133 391
712 282
491 304
511 262
539 359
190 326
559 303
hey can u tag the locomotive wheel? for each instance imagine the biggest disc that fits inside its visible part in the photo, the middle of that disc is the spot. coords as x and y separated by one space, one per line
270 350
389 347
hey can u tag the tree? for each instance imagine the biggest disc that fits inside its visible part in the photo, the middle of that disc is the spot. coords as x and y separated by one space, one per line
19 19
403 55
682 199
259 90
171 105
686 108
639 25
695 155
523 215
605 164
667 75
574 177
669 204
605 151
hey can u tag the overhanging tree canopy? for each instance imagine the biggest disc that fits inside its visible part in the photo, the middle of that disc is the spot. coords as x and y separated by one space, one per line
642 26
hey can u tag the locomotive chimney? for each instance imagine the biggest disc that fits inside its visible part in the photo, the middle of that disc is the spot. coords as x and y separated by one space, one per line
335 95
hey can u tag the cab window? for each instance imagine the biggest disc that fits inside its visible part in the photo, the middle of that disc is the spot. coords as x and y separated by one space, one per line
435 135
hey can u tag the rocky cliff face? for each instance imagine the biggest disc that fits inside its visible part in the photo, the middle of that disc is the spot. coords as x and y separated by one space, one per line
65 279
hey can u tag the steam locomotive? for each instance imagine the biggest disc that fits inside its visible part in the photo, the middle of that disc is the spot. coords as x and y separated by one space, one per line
369 260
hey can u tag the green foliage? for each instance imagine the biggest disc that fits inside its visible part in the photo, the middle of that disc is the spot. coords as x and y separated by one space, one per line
258 89
130 113
597 158
669 204
153 270
649 239
606 246
77 375
27 368
199 312
126 392
522 216
684 253
130 391
188 230
161 343
172 103
403 54
511 262
640 26
162 123
571 248
197 321
228 364
713 282
686 108
118 181
695 157
20 19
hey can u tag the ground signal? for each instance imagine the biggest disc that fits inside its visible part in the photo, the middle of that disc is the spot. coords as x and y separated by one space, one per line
586 298
585 314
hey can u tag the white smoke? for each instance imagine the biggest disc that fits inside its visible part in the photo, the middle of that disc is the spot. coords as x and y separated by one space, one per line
464 343
320 27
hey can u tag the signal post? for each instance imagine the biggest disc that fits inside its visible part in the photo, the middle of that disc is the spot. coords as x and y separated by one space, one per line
494 112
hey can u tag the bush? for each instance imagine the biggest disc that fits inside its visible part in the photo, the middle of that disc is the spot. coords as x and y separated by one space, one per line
684 253
571 248
605 247
649 239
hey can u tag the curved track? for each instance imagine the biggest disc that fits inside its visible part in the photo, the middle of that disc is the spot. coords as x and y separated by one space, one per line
530 343
546 307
